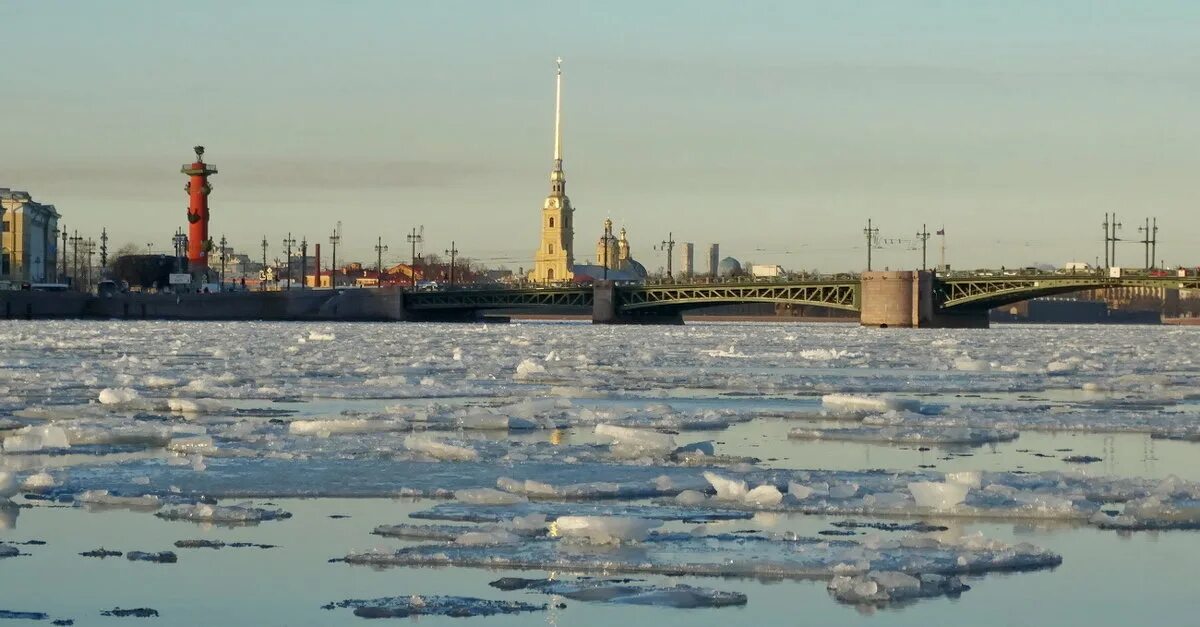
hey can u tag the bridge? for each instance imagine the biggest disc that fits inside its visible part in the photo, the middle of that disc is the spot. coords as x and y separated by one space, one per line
882 299
886 299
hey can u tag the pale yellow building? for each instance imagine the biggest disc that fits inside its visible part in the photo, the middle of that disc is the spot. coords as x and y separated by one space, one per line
555 258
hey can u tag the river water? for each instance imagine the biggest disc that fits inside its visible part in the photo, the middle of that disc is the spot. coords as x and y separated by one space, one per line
348 427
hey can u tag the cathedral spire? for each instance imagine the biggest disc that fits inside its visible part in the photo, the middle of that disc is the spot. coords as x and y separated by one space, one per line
558 116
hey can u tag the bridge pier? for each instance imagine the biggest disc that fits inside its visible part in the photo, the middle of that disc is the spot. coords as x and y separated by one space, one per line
905 299
606 309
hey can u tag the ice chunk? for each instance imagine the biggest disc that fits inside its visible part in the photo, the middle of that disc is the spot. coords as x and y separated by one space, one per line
487 496
37 482
498 536
882 587
192 444
636 443
194 407
33 439
162 557
529 369
727 489
603 529
936 495
690 498
8 485
971 478
431 605
971 365
104 499
117 396
438 449
625 591
799 491
203 512
764 496
331 426
851 404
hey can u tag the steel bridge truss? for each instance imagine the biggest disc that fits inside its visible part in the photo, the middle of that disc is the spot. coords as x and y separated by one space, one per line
994 292
578 298
837 295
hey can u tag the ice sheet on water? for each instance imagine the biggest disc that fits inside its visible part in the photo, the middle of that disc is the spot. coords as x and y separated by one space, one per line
459 512
32 439
603 529
439 449
854 404
625 592
432 605
102 498
783 557
631 443
225 514
908 434
889 587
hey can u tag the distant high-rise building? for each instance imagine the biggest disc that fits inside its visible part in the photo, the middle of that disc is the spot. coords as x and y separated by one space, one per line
555 256
687 260
714 259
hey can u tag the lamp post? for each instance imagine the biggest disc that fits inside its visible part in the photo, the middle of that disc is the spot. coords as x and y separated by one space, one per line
262 284
414 238
224 251
64 253
75 241
333 241
872 234
380 248
288 242
453 252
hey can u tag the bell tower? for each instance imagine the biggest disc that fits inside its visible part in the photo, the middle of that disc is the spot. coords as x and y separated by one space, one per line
555 256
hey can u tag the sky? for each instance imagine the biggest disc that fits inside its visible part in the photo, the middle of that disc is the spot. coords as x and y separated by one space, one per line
774 128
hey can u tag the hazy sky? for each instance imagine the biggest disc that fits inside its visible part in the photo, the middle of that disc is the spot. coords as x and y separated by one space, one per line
775 128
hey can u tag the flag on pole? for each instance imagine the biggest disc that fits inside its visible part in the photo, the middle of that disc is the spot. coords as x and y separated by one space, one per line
941 231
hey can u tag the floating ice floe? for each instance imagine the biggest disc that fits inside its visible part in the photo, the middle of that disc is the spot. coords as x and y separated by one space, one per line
488 496
438 449
529 369
737 555
161 557
336 426
603 529
458 512
102 498
884 587
852 404
908 435
227 514
8 485
117 396
625 592
432 605
636 443
33 439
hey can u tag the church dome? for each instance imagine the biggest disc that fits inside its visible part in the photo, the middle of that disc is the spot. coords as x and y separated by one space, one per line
729 267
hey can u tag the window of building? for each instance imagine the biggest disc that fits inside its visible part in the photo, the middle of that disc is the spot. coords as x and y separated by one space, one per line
550 248
549 274
551 222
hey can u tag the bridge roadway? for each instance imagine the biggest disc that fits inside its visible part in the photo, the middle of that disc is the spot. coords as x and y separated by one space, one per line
882 298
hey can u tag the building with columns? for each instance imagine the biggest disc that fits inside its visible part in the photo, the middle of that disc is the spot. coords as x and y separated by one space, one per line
29 239
555 256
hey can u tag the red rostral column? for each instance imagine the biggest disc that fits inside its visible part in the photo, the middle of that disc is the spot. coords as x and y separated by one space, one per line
198 189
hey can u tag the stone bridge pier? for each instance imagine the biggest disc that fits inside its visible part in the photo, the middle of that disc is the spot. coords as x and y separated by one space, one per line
905 299
606 309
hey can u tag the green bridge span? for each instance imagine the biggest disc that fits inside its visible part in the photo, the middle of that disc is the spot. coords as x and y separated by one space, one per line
921 296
